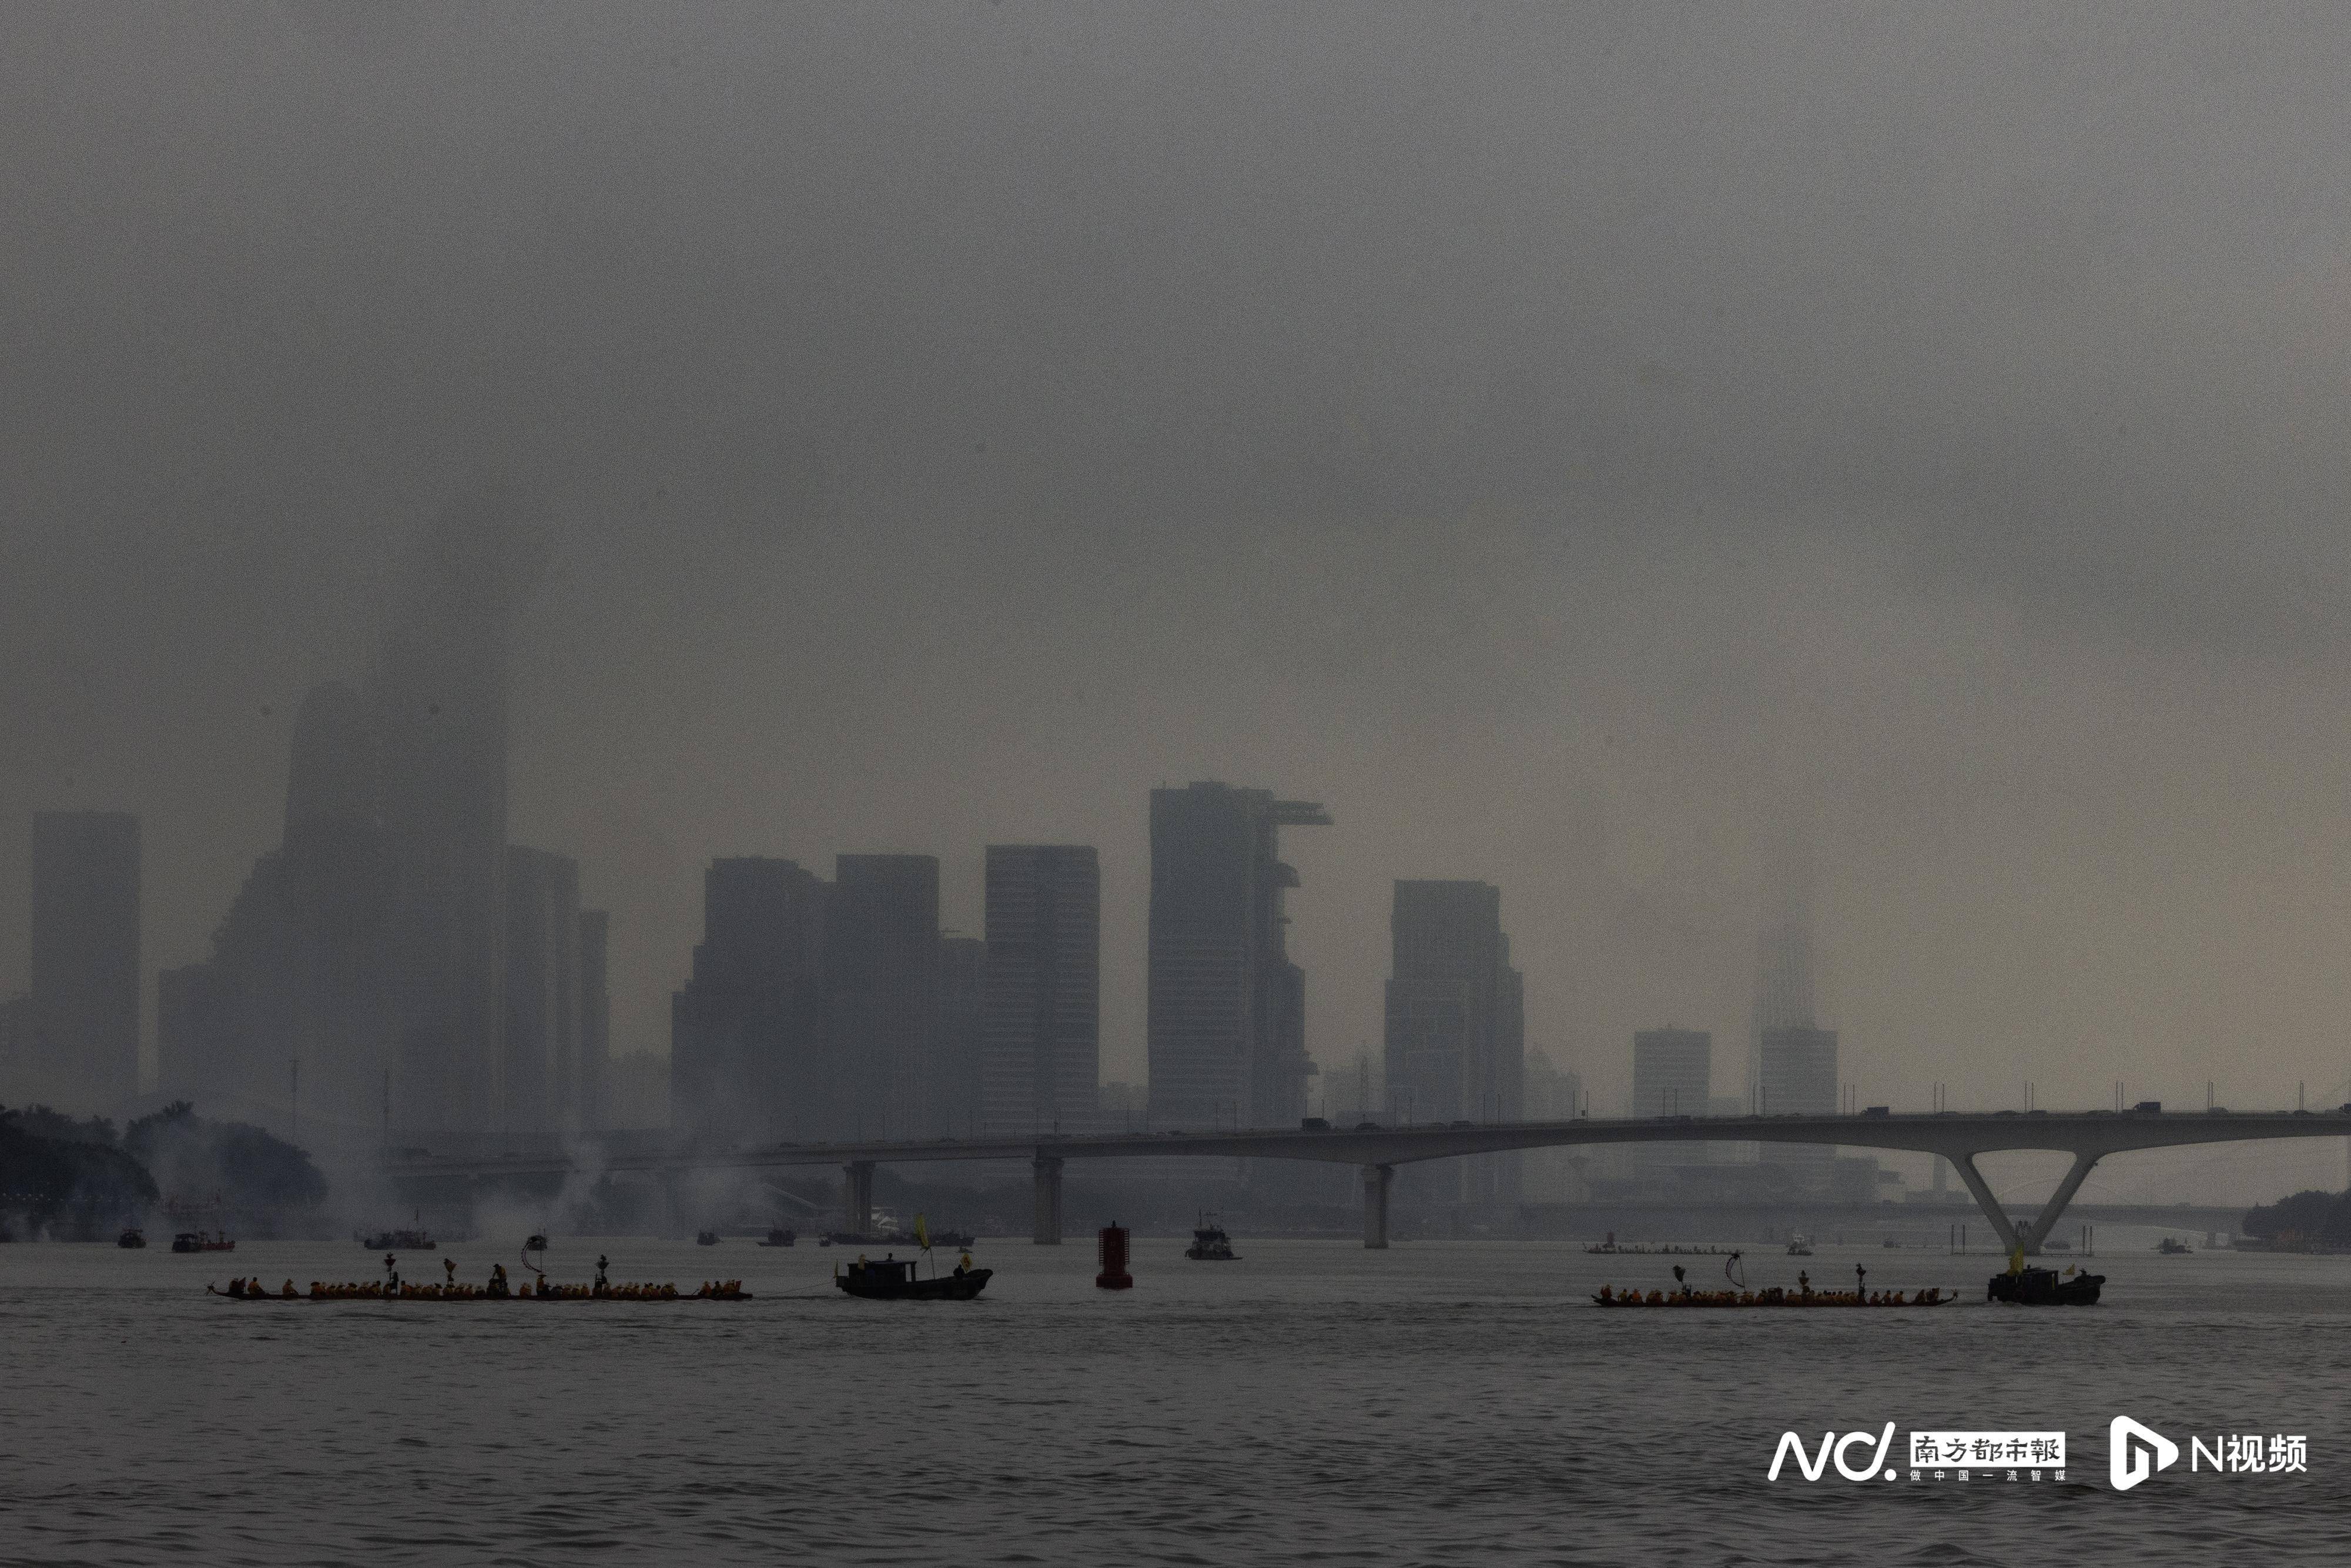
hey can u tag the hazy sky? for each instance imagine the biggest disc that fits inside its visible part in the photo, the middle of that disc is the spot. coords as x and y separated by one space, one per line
1566 440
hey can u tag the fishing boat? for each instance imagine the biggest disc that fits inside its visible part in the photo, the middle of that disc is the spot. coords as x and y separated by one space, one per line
202 1242
2171 1247
893 1279
1210 1244
1799 1246
2045 1287
779 1237
705 1238
398 1242
130 1238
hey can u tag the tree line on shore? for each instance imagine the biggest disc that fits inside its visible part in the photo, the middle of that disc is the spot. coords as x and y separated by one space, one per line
78 1179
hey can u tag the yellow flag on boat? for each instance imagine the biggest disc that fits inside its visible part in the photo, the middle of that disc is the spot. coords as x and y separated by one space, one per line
922 1234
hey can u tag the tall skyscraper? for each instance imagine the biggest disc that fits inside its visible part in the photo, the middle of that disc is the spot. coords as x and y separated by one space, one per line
1043 994
961 1039
595 1019
883 961
1227 1009
1456 1019
300 968
1800 1075
539 1081
1793 1060
370 945
747 1039
84 1003
439 712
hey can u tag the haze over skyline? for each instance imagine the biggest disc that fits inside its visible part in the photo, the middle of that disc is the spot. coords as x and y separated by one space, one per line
1559 444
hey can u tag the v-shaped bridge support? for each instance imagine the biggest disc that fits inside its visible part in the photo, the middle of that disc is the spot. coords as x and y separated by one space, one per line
2042 1223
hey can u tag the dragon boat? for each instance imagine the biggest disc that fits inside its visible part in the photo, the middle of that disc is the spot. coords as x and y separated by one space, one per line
1773 1296
383 1290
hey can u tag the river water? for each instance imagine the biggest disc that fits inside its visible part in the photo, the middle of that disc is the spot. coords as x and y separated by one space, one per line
1440 1402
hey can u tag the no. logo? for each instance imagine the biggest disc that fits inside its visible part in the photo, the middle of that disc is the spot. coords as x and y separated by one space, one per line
2135 1452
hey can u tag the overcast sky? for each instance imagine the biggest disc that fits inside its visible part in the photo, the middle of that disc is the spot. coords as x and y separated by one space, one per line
1567 441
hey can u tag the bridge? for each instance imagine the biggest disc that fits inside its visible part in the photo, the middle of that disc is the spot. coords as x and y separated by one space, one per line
2089 1137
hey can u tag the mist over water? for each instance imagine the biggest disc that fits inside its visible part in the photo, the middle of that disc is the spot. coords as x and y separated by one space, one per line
1314 1402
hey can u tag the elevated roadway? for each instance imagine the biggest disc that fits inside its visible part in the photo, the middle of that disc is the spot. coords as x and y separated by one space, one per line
1960 1138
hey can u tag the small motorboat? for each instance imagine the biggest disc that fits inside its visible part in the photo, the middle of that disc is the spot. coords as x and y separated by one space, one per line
2171 1247
1210 1244
705 1238
202 1242
130 1238
2045 1287
779 1237
891 1279
1799 1246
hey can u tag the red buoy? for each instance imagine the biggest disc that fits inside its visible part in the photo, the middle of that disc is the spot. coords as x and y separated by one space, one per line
1113 1275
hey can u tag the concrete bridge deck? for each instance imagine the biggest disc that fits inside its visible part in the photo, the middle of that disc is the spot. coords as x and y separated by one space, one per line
1960 1137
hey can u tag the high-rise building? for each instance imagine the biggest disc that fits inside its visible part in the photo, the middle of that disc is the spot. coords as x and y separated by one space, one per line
1800 1075
1043 993
84 1002
883 966
539 1080
595 1019
16 1057
1456 1018
439 722
1225 1018
1792 1061
961 1037
370 946
747 1039
300 968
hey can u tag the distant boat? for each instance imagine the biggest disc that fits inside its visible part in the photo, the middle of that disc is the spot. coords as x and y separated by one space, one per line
2045 1287
779 1237
705 1238
893 1280
1799 1246
131 1237
200 1241
400 1242
2170 1247
1210 1244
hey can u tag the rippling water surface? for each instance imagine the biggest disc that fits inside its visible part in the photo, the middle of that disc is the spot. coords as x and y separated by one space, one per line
1312 1403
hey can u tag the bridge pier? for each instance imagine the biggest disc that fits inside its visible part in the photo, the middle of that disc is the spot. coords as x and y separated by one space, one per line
857 1196
2000 1227
2046 1220
2042 1223
1376 1181
1048 1231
